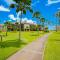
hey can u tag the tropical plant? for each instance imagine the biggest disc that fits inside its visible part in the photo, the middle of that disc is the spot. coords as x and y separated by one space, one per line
46 29
33 27
58 16
6 24
17 25
42 21
37 16
22 6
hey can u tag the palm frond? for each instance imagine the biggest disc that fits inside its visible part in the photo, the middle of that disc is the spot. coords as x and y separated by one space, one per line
12 5
36 14
24 11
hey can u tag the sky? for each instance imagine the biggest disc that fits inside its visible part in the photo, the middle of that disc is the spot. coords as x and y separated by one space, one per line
47 8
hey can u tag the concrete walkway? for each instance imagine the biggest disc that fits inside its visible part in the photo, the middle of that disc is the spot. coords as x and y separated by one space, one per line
33 51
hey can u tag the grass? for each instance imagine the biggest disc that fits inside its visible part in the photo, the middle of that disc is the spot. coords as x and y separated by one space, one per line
11 44
52 50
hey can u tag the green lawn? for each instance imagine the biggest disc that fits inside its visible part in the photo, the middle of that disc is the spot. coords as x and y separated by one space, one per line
52 50
11 43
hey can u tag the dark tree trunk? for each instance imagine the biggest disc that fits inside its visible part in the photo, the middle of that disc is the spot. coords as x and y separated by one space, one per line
43 26
20 27
1 40
56 25
6 30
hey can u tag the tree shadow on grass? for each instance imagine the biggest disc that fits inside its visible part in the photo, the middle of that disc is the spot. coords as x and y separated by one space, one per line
12 43
57 40
34 35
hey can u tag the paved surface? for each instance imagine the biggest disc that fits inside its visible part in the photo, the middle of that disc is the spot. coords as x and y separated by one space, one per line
33 51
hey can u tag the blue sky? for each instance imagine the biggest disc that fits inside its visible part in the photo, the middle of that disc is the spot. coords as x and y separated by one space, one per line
47 9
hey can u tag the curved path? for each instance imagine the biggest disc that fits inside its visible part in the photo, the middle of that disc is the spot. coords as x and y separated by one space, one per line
33 51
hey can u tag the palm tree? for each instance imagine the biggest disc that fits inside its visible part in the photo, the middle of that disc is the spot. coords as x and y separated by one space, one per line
6 24
23 6
48 22
43 21
37 16
58 16
16 24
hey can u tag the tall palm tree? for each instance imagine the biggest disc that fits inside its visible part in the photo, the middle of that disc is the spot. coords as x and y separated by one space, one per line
23 6
16 24
37 16
58 16
48 22
42 21
6 24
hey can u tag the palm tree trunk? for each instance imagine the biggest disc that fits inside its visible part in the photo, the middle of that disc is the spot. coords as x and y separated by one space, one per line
20 27
6 30
59 18
56 25
1 40
43 26
38 27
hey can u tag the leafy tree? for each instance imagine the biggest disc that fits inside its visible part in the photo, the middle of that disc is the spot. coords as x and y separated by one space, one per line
23 6
33 27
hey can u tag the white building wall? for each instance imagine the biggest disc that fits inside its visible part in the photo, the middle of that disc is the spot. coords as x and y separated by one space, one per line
58 27
26 25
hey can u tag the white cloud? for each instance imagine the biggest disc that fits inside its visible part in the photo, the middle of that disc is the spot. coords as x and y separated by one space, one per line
2 8
25 19
9 1
28 21
11 16
52 2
